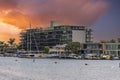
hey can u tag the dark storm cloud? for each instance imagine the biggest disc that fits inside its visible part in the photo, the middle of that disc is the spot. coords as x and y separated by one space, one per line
41 12
8 4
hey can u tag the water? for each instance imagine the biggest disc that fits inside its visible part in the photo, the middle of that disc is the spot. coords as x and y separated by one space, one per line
47 69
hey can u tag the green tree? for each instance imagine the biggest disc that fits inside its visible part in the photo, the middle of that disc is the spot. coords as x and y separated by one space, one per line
102 41
12 46
11 42
118 40
112 41
19 46
46 49
3 46
73 47
1 43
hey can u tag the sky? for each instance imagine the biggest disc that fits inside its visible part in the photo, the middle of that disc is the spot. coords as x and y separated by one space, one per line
107 26
102 16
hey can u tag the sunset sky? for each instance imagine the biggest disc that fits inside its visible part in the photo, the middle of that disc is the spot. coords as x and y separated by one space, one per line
103 16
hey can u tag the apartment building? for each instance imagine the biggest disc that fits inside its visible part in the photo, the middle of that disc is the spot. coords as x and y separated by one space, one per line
36 38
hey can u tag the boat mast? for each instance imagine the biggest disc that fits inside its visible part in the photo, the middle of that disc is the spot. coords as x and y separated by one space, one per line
30 38
27 39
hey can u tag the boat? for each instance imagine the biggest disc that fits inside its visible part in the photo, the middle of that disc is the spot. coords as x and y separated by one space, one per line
29 53
105 56
115 58
72 56
26 56
91 56
52 56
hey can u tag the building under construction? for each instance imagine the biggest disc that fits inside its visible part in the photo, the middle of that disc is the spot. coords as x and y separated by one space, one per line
37 38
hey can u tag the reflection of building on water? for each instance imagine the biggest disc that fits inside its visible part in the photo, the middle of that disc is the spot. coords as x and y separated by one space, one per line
64 69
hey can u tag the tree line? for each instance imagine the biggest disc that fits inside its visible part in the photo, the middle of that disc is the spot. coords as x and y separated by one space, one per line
9 45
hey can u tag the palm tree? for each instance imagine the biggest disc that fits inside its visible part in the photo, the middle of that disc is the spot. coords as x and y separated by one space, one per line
1 42
12 47
11 42
3 46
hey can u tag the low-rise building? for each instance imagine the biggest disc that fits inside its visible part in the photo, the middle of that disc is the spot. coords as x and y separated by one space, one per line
93 48
102 49
112 49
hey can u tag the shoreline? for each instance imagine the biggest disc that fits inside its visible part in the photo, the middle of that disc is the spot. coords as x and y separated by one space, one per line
54 58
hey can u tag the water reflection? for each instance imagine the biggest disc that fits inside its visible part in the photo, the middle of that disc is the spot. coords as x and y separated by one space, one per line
58 69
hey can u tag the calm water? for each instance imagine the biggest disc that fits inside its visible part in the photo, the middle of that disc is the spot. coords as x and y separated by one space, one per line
46 69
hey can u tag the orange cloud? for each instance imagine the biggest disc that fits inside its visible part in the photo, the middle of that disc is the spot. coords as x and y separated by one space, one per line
40 12
8 4
80 12
8 31
16 18
6 36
